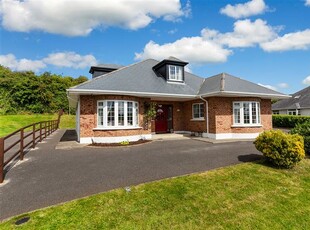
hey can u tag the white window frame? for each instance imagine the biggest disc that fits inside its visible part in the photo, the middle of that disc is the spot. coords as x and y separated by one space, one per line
104 106
200 118
293 112
241 112
178 76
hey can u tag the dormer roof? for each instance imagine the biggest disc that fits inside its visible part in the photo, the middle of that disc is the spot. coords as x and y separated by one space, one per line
170 61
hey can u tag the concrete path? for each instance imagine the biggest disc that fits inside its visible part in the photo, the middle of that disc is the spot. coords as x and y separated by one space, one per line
49 176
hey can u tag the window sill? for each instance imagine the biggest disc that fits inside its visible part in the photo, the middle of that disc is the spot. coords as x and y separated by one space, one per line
116 128
247 126
197 119
175 82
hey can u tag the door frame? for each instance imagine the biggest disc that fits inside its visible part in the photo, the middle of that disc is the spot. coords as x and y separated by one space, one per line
169 129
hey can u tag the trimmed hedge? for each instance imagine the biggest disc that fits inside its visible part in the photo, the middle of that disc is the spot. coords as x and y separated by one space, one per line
303 130
288 121
281 149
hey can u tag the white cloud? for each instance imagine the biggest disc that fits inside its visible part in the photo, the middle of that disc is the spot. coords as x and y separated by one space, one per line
307 3
283 85
306 81
192 49
211 45
65 59
268 86
292 41
245 34
70 60
10 61
247 9
80 17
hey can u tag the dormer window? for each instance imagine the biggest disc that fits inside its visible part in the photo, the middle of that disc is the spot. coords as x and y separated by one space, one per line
175 73
171 69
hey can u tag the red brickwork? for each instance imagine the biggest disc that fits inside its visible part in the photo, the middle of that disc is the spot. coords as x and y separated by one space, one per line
220 116
88 117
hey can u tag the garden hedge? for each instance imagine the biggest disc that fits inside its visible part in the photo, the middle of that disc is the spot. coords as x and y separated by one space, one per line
288 121
303 130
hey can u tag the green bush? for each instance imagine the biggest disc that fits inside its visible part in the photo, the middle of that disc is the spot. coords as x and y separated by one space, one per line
288 121
303 130
281 149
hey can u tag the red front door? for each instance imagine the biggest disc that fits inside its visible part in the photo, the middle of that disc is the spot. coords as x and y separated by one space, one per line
161 121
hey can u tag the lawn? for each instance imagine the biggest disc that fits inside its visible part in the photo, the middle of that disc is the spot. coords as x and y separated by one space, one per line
244 196
10 123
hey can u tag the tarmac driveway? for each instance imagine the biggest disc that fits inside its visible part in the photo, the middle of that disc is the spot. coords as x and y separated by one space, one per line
48 176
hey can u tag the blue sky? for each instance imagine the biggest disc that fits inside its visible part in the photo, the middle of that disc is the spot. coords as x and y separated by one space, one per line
263 41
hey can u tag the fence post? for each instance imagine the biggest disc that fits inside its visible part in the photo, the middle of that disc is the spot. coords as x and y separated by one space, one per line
59 115
21 155
33 135
41 131
1 160
44 129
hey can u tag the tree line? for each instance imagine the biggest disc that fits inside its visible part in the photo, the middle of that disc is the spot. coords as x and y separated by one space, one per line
26 92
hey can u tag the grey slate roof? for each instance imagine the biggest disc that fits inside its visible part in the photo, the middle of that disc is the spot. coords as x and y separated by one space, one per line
227 83
299 100
141 78
109 66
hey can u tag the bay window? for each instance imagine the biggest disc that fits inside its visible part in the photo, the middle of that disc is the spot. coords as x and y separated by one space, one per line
246 113
117 114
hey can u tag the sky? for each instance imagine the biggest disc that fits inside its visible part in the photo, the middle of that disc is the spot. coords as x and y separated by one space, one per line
263 41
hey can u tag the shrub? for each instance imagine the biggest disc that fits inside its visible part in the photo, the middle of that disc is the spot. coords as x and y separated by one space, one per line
281 149
288 121
303 130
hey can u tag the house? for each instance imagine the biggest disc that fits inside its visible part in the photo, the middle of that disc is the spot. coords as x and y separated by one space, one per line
112 106
297 104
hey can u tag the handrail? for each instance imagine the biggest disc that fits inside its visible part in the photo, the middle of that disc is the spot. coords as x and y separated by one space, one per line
45 129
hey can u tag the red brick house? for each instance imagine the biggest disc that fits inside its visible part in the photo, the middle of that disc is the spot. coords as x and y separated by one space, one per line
111 106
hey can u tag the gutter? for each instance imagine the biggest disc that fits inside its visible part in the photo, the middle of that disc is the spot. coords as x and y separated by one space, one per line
207 113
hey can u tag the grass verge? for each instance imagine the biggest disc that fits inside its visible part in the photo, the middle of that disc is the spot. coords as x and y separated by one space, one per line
10 123
245 196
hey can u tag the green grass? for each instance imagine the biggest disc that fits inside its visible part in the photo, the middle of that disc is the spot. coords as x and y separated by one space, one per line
10 123
245 196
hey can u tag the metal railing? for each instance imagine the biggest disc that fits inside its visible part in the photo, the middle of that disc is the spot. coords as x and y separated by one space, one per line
38 131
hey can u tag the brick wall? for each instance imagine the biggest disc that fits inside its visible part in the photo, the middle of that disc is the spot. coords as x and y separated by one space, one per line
88 117
221 119
220 116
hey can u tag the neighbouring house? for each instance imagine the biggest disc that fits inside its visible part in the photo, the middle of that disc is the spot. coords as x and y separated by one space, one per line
112 106
297 104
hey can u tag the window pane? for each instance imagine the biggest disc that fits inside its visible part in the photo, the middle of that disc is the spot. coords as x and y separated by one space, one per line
121 113
129 114
136 114
258 113
195 111
201 113
100 116
172 72
100 103
179 73
246 113
254 112
237 115
111 112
